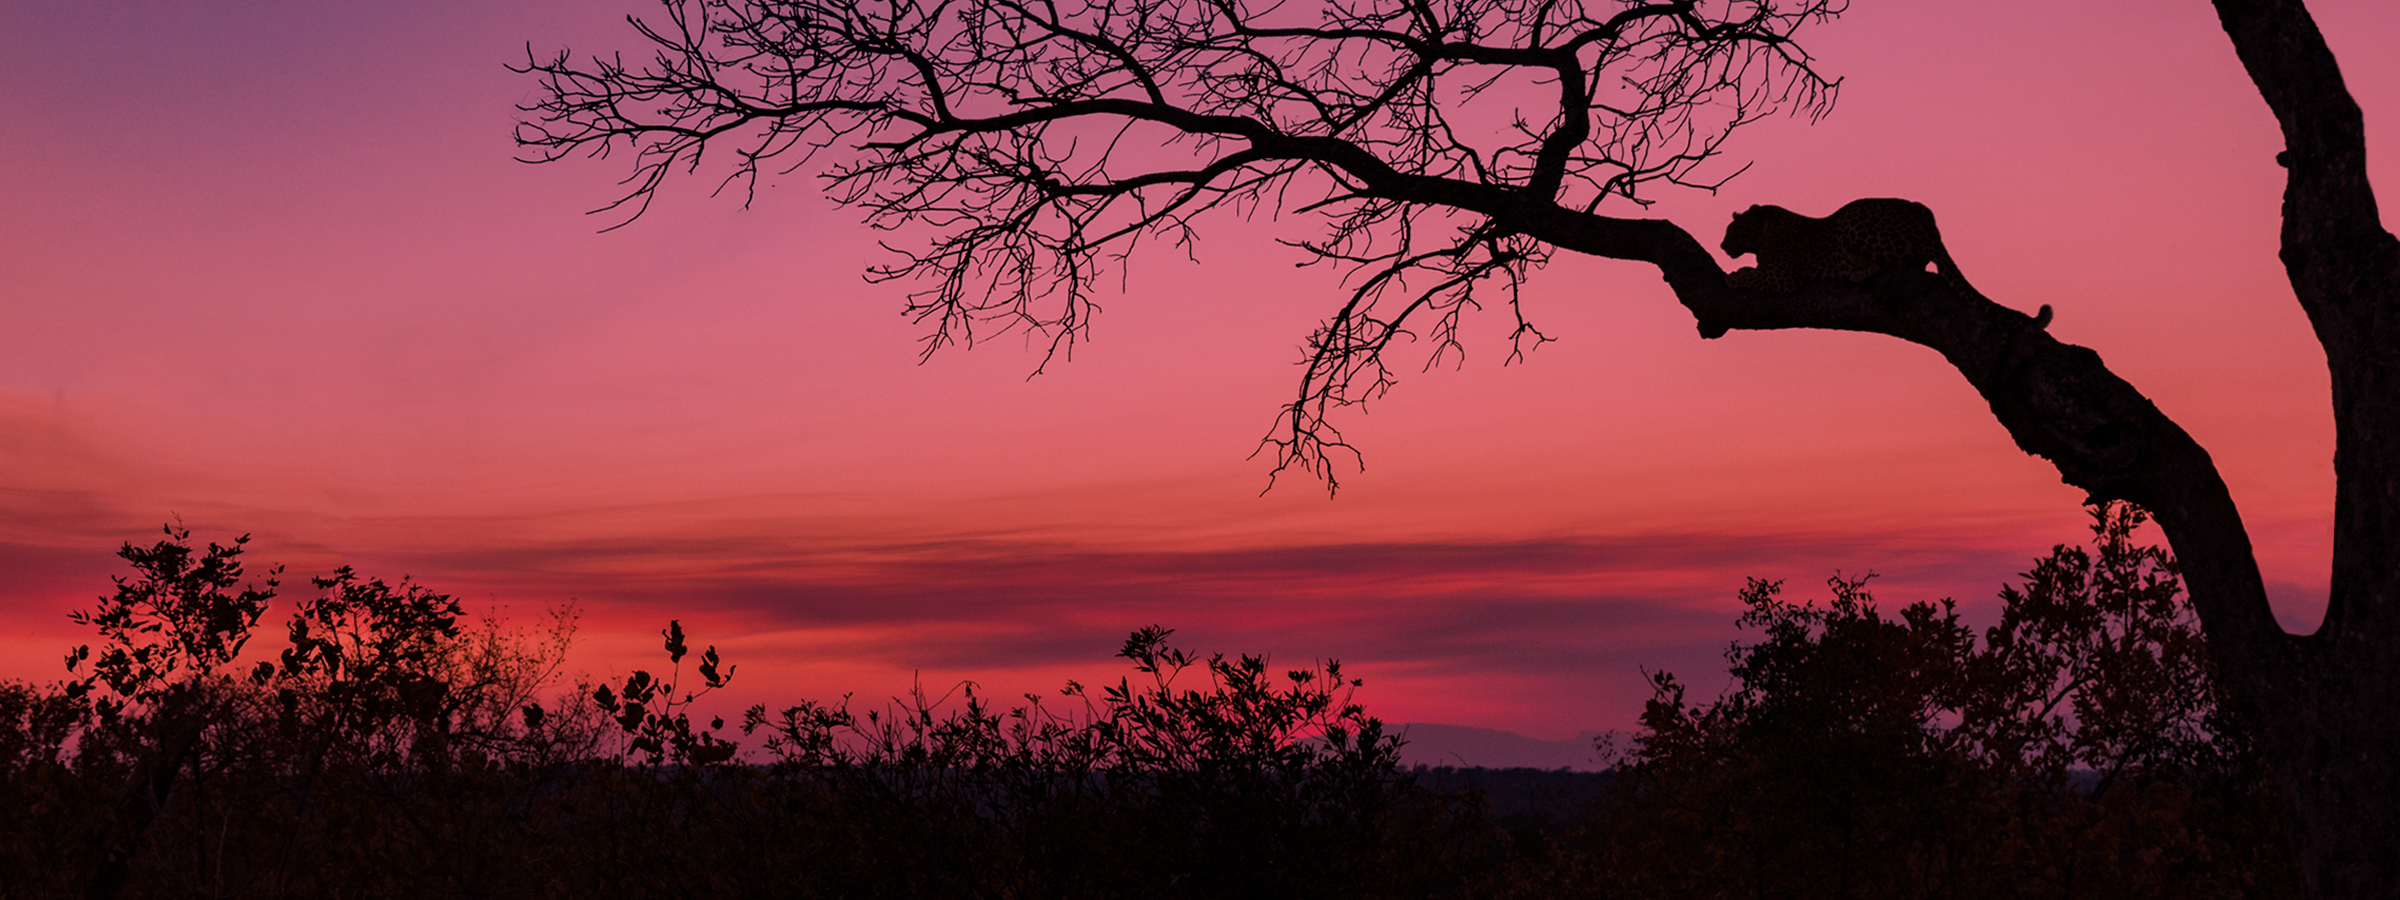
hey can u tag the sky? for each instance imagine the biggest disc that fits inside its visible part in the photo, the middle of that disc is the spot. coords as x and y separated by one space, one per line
271 268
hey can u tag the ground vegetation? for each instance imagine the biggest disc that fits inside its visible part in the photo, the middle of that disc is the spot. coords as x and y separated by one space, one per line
395 747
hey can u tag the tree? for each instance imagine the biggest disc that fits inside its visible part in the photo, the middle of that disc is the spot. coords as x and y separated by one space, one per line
162 677
2076 750
1041 142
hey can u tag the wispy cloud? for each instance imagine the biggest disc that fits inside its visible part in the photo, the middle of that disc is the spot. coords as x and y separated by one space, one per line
1498 625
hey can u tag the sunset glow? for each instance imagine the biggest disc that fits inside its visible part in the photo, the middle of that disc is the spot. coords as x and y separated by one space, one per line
273 271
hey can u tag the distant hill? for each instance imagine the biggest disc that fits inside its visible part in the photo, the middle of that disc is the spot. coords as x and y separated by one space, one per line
1462 746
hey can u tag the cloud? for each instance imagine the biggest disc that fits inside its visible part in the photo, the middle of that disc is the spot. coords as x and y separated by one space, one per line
816 597
984 602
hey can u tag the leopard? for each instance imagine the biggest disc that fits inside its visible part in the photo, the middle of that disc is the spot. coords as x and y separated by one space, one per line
1858 241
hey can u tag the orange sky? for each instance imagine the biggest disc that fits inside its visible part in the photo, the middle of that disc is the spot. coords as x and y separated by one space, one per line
274 271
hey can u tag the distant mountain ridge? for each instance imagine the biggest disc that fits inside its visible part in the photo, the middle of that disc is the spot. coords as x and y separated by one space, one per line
1464 746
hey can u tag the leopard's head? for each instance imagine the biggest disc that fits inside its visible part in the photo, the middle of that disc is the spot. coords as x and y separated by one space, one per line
1745 232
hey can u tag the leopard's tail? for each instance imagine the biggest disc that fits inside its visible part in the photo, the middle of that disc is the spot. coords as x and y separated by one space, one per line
1949 271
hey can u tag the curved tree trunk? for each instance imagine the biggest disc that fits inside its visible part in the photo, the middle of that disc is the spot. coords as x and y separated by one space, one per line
2332 714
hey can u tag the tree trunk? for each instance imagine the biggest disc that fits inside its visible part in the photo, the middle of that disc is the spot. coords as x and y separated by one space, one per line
144 798
2332 716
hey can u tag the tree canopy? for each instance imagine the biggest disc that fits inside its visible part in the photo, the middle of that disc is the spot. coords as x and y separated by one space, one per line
1042 143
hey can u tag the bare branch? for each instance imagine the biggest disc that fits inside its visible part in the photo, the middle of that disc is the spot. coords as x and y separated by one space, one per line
1041 142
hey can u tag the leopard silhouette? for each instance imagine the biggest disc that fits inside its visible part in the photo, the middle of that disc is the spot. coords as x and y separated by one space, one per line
1861 239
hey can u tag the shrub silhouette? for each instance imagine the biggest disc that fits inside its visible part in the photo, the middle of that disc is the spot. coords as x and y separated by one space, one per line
2078 750
658 725
160 683
1244 785
394 747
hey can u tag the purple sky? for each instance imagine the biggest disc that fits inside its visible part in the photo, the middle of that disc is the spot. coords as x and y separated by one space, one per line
270 267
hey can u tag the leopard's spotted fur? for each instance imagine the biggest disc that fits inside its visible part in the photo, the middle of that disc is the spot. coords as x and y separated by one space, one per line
1862 238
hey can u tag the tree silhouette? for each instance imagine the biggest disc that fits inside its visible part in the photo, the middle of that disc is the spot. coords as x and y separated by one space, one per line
1042 142
162 677
1861 753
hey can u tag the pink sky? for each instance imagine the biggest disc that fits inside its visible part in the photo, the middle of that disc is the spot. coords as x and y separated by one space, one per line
271 268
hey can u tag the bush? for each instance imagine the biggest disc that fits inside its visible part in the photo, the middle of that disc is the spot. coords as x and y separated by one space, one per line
2078 750
393 748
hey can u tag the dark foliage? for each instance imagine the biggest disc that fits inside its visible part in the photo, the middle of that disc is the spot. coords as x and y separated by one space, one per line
395 749
392 748
2078 750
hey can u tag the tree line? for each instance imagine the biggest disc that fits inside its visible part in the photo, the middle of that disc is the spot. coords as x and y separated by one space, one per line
394 746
